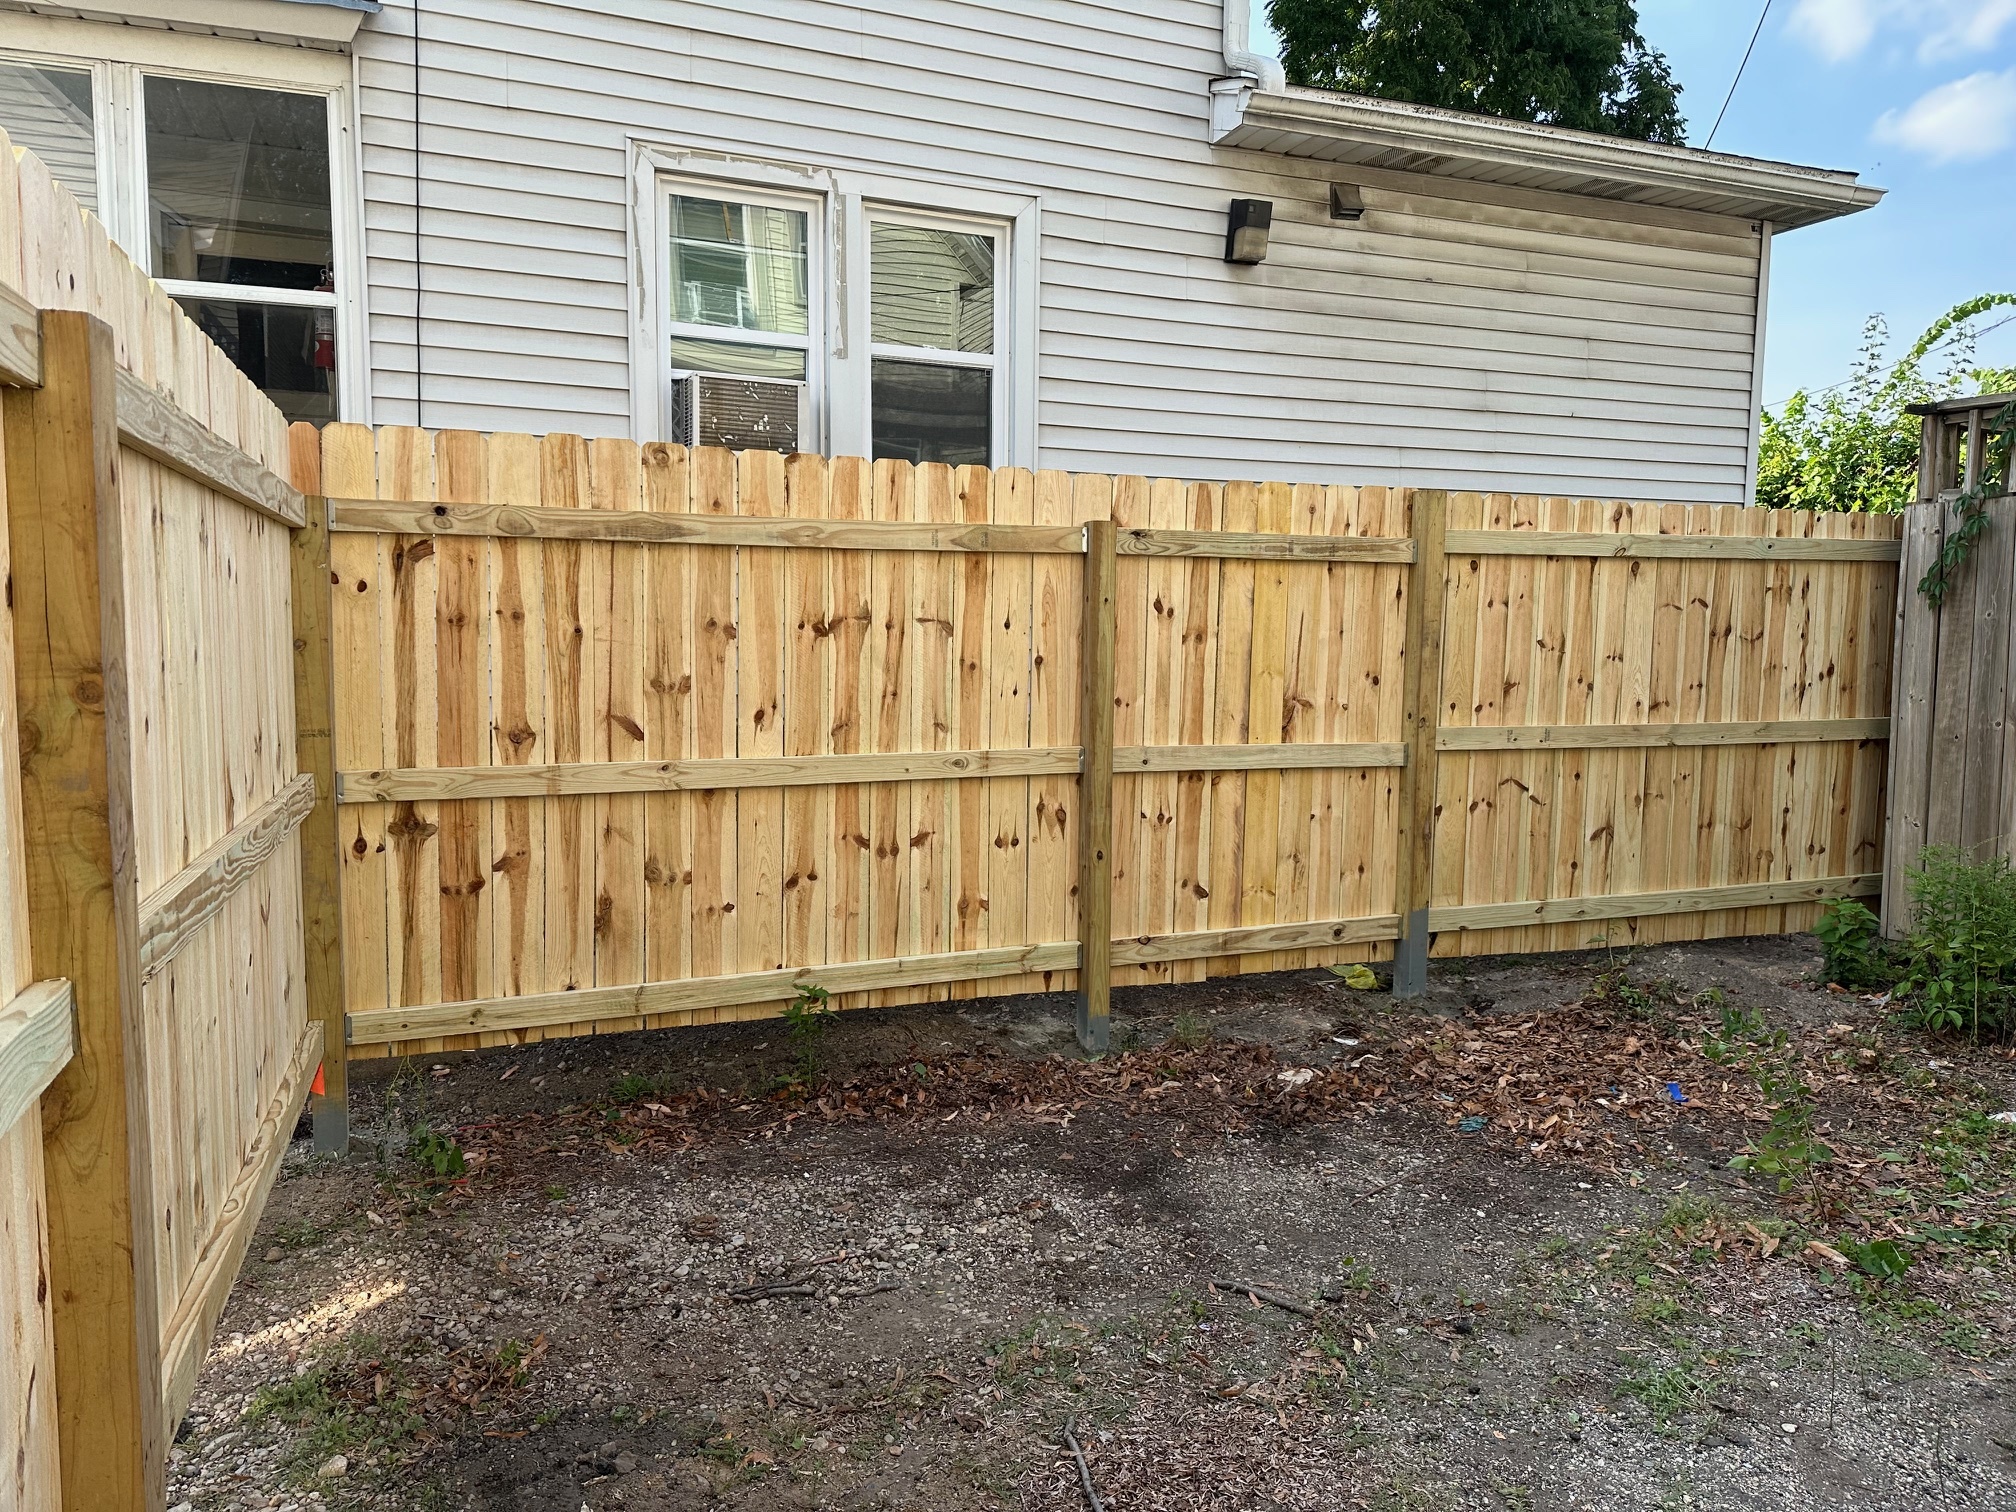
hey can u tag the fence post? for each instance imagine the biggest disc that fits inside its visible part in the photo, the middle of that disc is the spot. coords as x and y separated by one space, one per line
1421 699
66 536
314 748
1095 792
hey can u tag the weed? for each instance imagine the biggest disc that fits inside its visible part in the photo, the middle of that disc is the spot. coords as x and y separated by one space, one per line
349 1402
1668 1393
300 1234
1964 1337
1852 954
1893 1362
631 1088
1788 1149
1880 1259
807 1017
1961 953
437 1153
1190 1032
556 1193
1655 1306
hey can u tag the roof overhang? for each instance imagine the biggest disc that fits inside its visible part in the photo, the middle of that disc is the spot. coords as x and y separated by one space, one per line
310 23
1341 128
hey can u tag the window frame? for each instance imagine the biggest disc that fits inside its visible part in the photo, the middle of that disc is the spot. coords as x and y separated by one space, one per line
839 418
993 361
817 278
119 59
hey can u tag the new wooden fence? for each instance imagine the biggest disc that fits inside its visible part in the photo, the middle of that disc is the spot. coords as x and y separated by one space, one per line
151 866
1953 764
631 736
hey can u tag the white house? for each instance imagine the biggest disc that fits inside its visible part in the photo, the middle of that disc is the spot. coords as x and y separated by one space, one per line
965 229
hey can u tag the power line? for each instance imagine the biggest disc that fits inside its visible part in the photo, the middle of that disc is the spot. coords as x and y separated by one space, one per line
1936 346
1755 33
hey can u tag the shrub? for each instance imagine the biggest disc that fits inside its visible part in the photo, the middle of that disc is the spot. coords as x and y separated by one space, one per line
1962 949
1847 932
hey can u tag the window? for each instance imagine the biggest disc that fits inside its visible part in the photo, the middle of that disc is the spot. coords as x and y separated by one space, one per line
933 314
223 191
741 305
802 308
240 230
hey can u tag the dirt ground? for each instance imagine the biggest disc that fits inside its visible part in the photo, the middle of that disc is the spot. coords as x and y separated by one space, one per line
712 1268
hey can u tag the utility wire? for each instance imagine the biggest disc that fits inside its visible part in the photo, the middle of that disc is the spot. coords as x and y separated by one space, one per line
1937 346
1755 33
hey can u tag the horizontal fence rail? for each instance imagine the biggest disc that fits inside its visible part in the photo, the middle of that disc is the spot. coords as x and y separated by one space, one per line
1559 543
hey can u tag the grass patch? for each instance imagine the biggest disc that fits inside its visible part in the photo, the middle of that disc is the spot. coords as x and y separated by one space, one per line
1678 1390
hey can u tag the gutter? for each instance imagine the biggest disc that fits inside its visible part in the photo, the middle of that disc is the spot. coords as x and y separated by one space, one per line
1422 138
1245 70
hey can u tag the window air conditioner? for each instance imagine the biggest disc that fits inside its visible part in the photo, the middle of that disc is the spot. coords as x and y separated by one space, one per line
742 414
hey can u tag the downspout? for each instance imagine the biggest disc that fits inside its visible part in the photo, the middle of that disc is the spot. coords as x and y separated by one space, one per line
1764 233
1245 71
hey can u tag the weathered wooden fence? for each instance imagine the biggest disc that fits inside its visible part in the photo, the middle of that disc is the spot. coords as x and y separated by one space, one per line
631 736
1953 762
150 862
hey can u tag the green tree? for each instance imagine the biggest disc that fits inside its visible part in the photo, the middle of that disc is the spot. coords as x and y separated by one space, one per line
1577 63
1852 446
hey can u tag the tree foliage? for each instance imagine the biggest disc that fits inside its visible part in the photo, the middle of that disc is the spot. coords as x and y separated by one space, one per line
1852 446
1575 63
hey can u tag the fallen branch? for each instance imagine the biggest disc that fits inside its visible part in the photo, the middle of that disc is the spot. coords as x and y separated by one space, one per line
1268 1295
768 1290
867 1291
1084 1470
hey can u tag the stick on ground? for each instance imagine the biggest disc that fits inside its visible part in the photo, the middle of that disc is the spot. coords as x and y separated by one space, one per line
1084 1470
1268 1295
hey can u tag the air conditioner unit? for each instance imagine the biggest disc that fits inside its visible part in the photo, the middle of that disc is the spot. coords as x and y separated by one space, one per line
742 414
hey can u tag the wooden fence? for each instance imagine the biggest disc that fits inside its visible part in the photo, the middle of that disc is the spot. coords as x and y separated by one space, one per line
151 867
631 736
1953 764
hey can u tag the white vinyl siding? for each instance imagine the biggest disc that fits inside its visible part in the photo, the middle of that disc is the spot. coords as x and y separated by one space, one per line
1460 335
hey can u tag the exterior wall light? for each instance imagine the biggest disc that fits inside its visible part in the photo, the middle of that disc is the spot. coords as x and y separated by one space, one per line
1347 202
1246 231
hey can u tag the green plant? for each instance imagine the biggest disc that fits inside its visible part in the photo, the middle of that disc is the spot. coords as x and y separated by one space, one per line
1853 445
1667 1393
437 1153
1190 1032
1788 1149
1848 941
1962 947
632 1088
1882 1259
807 1017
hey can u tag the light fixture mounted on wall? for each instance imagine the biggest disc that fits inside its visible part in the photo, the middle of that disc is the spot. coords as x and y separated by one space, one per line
1246 230
1347 202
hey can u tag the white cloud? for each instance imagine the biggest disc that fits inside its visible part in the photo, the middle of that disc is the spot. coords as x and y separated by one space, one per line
1972 117
1837 29
1840 29
1969 29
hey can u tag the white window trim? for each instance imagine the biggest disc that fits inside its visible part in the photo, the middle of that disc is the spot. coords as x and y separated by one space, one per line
117 56
839 422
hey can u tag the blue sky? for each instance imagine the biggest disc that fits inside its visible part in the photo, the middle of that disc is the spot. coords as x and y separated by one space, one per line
1917 96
